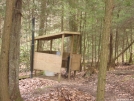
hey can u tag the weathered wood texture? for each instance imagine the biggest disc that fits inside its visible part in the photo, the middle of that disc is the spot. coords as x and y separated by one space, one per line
4 57
75 61
57 35
50 62
49 52
64 59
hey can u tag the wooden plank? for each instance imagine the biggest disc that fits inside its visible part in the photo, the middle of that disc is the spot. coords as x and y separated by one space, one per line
48 51
62 45
57 35
64 59
51 44
75 61
50 62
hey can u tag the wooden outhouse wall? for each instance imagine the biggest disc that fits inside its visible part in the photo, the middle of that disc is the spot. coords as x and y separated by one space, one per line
50 62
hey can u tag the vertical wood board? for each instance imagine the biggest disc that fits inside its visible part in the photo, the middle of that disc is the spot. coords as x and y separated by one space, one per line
75 61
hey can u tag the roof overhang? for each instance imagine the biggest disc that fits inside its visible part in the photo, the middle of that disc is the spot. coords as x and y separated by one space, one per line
56 36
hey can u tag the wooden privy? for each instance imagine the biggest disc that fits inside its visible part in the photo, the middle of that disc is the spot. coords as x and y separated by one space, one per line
54 60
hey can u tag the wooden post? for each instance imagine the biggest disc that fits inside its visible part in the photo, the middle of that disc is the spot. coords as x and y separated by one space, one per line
77 48
62 46
32 48
71 52
37 51
78 44
51 44
38 45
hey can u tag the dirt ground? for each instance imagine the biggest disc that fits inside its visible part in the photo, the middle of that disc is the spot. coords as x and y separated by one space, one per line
119 87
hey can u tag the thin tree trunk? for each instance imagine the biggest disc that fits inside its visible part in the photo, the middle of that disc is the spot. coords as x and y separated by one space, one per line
99 45
95 51
110 64
131 57
0 27
80 37
127 43
92 50
62 17
104 50
116 44
116 38
84 50
84 39
123 40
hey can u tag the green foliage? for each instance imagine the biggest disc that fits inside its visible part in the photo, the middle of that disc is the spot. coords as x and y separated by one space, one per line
24 56
88 16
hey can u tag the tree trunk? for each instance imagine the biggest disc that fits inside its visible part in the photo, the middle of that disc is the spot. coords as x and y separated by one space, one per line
42 17
0 27
116 38
84 41
116 43
131 48
14 53
4 59
126 44
80 27
99 45
62 17
92 50
95 50
110 64
123 42
42 22
104 50
72 17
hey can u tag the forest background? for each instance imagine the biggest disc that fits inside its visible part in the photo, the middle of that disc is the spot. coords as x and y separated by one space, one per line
85 16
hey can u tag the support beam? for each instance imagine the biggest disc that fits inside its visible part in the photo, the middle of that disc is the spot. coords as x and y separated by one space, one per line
62 46
71 52
32 47
51 44
78 44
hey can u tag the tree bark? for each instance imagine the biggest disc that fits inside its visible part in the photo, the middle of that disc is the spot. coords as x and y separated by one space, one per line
104 50
4 59
117 38
131 48
42 22
92 50
123 44
110 64
72 18
14 53
62 17
0 27
99 45
42 17
116 43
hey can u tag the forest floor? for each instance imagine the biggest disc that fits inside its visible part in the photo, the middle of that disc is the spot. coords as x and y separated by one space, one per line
119 87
